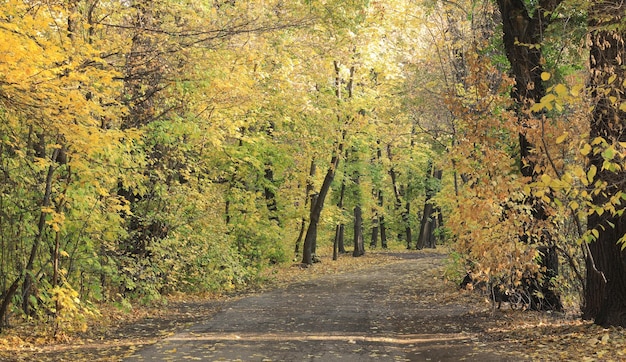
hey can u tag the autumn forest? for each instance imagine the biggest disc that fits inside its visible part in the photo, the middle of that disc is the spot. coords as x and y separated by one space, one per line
158 147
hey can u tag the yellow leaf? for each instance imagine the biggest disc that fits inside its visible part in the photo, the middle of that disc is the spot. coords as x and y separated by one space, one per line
592 172
562 138
612 78
545 76
586 149
561 90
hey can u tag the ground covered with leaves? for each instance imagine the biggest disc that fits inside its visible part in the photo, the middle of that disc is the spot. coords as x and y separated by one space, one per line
517 334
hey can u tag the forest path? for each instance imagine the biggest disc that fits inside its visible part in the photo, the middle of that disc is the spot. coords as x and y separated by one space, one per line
401 311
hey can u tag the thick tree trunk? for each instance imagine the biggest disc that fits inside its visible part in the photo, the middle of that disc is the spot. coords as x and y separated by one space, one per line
359 248
519 31
605 291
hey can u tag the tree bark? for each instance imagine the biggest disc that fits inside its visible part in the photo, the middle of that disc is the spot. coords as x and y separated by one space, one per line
605 290
359 249
309 189
270 195
430 218
521 36
377 218
338 243
311 235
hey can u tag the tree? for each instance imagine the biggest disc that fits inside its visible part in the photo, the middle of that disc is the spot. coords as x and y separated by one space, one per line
522 35
430 216
605 290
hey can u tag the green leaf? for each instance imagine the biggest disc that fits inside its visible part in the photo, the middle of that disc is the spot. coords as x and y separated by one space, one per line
608 154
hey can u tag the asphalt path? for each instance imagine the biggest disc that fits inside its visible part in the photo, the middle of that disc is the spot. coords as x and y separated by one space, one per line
393 312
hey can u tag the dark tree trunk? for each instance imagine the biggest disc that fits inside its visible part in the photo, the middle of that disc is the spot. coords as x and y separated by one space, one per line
310 239
340 229
270 195
6 301
359 248
309 189
407 225
341 246
377 218
430 217
519 31
336 243
27 274
605 291
383 232
375 227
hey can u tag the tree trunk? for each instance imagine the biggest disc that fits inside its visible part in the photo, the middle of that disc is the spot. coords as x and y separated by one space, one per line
605 291
377 218
309 189
270 195
407 225
519 31
359 248
311 235
336 243
426 238
41 226
374 239
340 229
383 232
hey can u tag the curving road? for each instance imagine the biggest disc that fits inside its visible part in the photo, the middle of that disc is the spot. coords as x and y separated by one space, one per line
395 312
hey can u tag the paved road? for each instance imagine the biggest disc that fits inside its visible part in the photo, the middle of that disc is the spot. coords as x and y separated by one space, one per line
384 313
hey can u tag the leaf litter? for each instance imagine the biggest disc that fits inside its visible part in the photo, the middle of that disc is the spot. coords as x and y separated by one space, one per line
522 335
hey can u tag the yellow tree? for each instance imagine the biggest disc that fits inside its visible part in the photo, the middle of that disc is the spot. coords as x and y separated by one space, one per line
59 161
